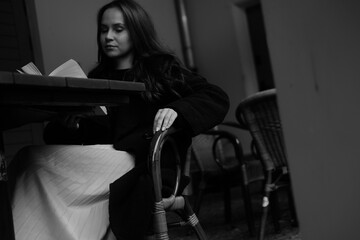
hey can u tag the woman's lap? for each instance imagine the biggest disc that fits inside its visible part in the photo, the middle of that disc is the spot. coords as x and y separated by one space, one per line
62 191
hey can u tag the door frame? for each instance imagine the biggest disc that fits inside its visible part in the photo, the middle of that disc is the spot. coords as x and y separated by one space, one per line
244 44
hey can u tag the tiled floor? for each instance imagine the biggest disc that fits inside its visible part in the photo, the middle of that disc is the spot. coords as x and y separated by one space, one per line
212 219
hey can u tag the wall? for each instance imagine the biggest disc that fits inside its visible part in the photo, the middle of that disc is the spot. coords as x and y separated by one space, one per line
314 47
216 52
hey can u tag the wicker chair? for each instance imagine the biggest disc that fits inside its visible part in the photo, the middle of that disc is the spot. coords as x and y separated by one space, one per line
222 166
176 201
260 115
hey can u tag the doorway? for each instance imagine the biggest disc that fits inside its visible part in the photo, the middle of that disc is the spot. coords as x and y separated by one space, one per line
252 44
259 47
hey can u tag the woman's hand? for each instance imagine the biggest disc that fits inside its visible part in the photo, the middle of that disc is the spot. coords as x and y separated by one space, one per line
164 118
72 120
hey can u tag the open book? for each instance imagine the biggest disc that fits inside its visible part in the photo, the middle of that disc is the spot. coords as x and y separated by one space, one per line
69 68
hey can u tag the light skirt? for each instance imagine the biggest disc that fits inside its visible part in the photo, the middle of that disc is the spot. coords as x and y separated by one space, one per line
62 192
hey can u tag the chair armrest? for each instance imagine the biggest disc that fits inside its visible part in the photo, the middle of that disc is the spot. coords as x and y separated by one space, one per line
154 162
235 143
240 118
234 125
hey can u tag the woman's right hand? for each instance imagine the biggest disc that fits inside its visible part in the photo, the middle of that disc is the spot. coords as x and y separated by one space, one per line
164 118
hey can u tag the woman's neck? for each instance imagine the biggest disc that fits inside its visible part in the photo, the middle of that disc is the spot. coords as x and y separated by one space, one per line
125 62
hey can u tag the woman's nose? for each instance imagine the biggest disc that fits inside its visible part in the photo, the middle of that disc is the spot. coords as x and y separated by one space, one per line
109 35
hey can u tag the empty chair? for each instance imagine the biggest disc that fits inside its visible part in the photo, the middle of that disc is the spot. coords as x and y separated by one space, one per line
259 113
222 166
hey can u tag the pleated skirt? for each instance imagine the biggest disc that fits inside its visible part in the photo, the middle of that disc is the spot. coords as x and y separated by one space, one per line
61 192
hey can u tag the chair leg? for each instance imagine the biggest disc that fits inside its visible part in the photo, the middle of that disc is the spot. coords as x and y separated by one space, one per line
198 201
275 210
265 208
194 221
248 209
227 204
265 204
292 208
160 226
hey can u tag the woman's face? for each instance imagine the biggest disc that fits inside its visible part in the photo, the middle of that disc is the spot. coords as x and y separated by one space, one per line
115 39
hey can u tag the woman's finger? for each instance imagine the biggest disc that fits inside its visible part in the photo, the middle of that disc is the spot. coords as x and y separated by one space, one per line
169 119
164 118
158 120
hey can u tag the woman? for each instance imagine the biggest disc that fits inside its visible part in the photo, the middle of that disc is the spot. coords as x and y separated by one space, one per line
62 191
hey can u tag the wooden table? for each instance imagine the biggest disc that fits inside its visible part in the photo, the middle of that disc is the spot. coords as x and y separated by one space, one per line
31 90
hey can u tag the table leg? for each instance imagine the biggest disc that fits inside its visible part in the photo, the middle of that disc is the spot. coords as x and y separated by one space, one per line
6 220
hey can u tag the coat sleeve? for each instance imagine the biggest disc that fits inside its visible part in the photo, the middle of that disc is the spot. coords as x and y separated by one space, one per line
202 107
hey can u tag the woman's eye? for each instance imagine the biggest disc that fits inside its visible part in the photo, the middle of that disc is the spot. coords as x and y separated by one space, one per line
103 29
119 29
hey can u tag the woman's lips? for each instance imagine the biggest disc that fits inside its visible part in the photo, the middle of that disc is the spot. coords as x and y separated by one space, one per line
110 47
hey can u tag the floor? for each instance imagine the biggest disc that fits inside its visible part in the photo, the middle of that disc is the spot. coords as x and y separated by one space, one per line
212 219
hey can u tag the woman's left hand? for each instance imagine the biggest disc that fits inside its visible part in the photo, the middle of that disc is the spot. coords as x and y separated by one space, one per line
72 120
164 118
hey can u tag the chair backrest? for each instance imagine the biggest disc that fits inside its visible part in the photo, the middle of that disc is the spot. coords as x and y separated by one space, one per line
259 113
212 150
201 148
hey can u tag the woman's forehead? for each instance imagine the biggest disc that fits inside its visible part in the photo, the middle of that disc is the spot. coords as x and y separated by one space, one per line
112 15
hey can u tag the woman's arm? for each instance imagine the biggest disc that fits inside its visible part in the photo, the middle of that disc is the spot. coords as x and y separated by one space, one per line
202 107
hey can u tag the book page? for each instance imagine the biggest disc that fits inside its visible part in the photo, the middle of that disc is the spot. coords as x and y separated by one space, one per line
72 69
69 69
30 68
100 110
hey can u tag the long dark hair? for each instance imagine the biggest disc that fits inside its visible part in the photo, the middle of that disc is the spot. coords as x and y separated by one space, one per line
154 65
